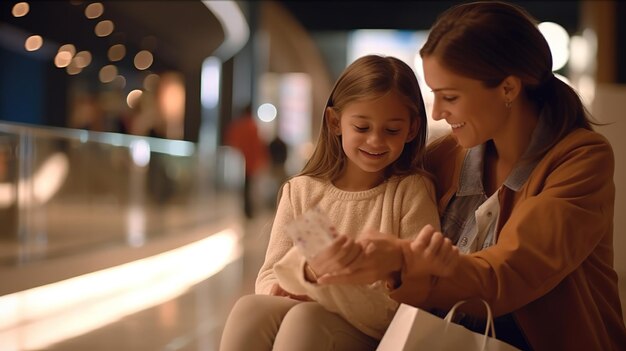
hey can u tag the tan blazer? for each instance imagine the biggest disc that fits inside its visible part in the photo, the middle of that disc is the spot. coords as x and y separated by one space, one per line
552 264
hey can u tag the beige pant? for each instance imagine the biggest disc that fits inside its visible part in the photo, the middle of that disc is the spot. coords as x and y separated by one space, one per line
262 322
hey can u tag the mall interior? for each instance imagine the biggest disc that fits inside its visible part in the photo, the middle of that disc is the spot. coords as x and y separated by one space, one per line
122 220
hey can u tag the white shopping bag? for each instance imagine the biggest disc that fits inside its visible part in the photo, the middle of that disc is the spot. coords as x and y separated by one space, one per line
413 329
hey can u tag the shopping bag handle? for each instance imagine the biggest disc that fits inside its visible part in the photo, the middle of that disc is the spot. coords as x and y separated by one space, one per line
489 325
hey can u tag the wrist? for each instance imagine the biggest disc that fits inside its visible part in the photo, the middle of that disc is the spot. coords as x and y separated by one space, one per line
394 279
309 274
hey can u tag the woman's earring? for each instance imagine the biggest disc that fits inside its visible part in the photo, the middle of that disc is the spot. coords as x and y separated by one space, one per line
507 104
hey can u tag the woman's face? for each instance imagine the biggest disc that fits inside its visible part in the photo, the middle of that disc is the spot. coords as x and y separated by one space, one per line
475 113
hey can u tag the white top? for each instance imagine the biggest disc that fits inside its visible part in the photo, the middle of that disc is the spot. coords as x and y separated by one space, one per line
486 218
400 206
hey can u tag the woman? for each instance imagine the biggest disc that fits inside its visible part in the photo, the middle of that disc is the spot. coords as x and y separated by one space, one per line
525 190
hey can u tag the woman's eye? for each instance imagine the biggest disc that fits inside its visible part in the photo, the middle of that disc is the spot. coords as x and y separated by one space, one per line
449 98
393 131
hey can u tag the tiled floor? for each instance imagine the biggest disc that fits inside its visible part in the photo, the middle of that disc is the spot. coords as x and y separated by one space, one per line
190 322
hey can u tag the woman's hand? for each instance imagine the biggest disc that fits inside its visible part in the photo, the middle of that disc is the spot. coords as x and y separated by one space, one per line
430 253
381 256
277 290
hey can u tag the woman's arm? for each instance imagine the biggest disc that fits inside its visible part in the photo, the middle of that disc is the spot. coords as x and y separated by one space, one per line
384 256
565 217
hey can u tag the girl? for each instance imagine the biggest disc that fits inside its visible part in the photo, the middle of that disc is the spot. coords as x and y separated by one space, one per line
366 172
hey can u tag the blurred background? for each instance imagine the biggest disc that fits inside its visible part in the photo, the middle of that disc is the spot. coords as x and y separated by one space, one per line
142 144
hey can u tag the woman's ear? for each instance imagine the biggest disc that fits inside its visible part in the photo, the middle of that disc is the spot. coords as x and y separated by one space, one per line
511 87
333 120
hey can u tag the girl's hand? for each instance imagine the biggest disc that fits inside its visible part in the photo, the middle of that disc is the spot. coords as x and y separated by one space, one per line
277 290
430 253
381 256
341 253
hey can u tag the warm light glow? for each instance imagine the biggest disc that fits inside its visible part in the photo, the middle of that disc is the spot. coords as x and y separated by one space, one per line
94 10
82 59
73 69
267 112
107 73
116 52
62 59
587 89
143 59
33 43
558 40
46 181
20 9
39 317
150 82
172 97
132 100
68 48
171 102
581 55
50 176
104 28
120 82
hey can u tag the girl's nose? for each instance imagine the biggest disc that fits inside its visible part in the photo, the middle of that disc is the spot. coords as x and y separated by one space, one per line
375 138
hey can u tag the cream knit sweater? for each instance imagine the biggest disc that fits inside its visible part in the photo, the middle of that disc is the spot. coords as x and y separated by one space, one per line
400 206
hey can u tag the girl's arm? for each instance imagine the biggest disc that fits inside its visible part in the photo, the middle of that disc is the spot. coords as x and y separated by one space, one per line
278 245
383 253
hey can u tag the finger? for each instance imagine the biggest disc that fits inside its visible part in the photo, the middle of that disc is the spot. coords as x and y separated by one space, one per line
370 234
422 239
348 254
333 249
436 241
444 250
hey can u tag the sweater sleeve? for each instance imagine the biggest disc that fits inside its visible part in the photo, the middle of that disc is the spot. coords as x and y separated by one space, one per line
279 243
547 236
419 206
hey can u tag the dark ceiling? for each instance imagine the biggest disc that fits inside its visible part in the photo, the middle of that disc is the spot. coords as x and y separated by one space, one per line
180 33
185 31
327 15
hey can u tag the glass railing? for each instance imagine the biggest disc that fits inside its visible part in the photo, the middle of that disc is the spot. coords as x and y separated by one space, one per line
65 191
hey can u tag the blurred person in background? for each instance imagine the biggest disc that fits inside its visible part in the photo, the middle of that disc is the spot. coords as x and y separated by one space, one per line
242 134
279 152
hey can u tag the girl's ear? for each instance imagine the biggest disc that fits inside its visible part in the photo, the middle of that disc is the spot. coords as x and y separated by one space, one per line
333 121
413 128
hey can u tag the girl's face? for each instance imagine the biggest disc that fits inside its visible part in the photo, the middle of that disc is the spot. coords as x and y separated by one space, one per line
373 133
475 113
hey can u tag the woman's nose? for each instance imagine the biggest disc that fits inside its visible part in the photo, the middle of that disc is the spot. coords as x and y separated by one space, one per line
436 112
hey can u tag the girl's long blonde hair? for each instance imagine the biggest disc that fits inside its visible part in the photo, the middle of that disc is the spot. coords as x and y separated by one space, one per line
369 77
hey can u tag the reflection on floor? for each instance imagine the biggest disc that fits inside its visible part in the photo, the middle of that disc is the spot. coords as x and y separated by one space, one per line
192 321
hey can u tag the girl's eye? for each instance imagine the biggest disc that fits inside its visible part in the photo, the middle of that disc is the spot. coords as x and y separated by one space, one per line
393 131
361 129
449 98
